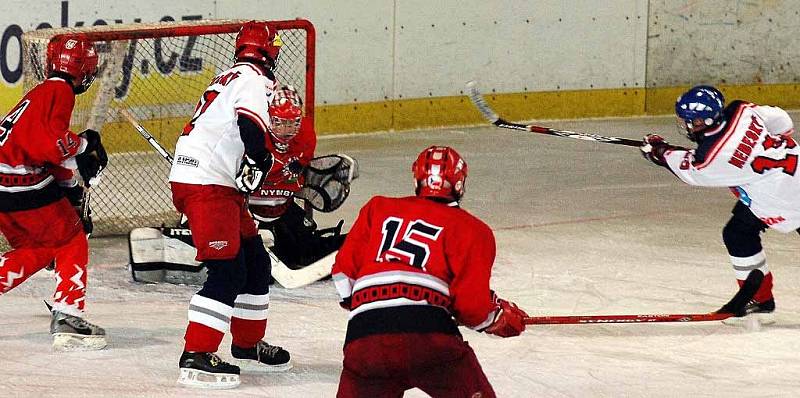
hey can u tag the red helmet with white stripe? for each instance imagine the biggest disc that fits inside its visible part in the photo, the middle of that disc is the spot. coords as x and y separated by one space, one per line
73 57
259 43
440 172
285 112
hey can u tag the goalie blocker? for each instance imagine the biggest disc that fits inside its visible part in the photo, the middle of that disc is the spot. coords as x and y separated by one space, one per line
300 253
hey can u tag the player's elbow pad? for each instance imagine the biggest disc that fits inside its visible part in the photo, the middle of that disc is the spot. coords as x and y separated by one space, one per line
253 139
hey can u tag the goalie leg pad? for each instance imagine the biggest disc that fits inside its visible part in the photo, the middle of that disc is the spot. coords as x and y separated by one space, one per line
158 255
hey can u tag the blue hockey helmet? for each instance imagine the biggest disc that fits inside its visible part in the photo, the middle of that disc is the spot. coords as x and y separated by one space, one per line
701 107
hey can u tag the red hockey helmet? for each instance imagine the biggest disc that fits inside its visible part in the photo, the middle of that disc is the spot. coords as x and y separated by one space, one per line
285 112
75 57
439 172
257 41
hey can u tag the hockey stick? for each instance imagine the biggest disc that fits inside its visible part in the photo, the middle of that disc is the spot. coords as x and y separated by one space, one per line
584 319
734 307
146 135
477 99
286 276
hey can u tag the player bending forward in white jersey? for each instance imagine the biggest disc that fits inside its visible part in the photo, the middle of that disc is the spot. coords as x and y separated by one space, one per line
748 148
219 159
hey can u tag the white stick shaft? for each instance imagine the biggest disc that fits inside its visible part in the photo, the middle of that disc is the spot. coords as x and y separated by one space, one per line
146 135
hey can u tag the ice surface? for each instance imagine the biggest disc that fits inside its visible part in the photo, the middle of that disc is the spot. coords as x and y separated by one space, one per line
582 228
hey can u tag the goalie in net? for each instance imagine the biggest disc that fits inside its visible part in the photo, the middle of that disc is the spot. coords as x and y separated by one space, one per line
167 254
323 183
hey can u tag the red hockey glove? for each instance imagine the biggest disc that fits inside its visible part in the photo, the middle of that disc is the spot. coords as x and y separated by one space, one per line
509 320
653 149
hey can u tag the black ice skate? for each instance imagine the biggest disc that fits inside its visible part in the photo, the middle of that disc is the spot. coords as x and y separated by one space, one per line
262 358
762 312
72 333
207 370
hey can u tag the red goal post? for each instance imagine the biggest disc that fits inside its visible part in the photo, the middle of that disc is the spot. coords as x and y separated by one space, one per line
158 72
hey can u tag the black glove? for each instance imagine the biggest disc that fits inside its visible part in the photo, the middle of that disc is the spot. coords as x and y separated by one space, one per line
93 159
293 169
653 148
252 173
77 198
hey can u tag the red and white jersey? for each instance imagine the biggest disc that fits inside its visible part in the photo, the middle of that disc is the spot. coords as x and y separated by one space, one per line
419 259
282 183
753 153
210 149
37 147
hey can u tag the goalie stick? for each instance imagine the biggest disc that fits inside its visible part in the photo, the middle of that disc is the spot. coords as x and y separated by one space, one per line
477 99
734 307
284 275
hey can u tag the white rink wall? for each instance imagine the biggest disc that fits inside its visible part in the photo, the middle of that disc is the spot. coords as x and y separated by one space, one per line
722 41
379 50
382 52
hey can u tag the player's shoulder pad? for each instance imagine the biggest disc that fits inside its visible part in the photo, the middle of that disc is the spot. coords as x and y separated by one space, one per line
733 108
776 120
57 85
475 221
306 139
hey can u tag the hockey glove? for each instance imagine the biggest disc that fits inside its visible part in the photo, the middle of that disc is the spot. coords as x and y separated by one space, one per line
292 169
509 321
252 174
93 160
77 198
653 148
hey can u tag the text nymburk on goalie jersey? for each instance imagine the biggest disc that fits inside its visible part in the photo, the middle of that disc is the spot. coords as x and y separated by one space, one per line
210 149
753 153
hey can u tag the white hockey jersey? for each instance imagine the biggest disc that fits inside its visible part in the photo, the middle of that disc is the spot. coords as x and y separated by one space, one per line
753 153
210 150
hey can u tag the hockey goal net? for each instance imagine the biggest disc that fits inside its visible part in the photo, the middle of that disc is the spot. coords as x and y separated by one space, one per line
157 72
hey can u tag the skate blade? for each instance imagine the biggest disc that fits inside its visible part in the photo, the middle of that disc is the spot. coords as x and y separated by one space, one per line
75 342
764 318
253 366
199 379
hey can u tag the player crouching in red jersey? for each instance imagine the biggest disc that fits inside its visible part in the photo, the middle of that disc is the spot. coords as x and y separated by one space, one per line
410 271
38 189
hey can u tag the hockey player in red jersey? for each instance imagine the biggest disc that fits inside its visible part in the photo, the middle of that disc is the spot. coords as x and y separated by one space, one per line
219 159
748 148
410 271
292 141
38 189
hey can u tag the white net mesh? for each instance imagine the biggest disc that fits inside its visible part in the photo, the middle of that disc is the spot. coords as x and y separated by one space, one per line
158 72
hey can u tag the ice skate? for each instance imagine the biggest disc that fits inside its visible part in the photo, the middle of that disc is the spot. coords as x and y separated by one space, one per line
262 358
207 370
764 313
72 333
